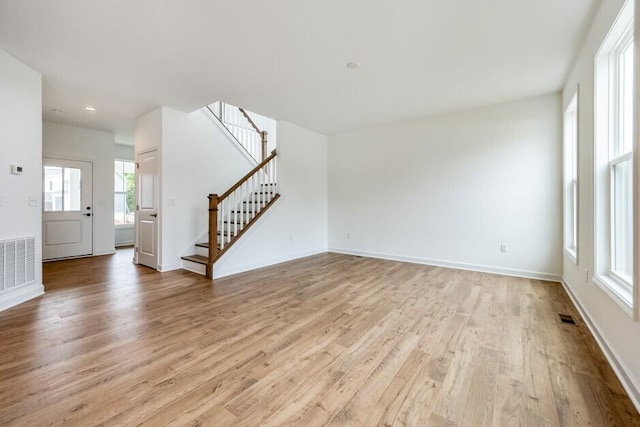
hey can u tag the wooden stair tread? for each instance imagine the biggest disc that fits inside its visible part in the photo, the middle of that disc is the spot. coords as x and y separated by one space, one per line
199 259
205 245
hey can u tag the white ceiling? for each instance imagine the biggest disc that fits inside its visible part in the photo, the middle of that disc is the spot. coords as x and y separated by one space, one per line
287 58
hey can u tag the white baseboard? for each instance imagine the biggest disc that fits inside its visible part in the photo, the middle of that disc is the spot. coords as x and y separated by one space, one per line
221 272
12 298
620 368
452 264
168 267
105 252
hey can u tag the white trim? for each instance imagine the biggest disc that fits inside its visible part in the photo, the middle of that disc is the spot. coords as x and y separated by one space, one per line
454 264
18 296
618 293
572 255
105 252
221 272
622 371
163 268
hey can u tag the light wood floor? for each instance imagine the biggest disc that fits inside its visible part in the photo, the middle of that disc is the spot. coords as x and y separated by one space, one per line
329 339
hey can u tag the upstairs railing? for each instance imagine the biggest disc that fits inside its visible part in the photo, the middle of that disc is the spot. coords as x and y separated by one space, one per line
233 212
249 129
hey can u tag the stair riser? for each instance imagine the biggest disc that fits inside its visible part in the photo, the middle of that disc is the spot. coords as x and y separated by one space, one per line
194 266
202 251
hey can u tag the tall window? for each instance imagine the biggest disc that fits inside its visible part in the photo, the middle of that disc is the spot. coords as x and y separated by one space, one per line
571 179
124 202
614 160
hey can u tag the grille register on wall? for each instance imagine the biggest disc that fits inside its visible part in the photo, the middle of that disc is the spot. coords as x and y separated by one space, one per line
17 263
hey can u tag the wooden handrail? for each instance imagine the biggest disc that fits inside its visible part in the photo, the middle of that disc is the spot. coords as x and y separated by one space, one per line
247 176
255 127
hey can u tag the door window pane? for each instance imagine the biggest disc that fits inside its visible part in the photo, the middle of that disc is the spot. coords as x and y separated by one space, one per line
72 189
62 189
52 189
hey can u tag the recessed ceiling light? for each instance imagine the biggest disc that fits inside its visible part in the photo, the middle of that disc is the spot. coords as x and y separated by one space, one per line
55 110
352 65
90 108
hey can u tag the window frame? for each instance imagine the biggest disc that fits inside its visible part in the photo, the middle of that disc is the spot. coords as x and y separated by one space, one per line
608 122
571 179
124 193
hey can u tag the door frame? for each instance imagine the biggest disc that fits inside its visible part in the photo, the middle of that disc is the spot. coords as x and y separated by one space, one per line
158 207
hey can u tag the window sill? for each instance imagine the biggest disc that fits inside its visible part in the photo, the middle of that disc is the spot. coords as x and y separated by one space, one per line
123 226
572 255
617 291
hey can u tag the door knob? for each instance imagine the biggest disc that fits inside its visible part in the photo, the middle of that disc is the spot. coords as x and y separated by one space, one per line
87 214
153 215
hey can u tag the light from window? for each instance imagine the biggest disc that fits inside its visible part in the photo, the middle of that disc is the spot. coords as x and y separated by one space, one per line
614 160
62 189
571 178
124 192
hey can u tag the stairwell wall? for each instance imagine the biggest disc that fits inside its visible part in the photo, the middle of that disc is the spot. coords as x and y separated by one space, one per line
450 189
296 225
198 158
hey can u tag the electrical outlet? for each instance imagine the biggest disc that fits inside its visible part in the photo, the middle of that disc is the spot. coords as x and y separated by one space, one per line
504 247
33 201
348 235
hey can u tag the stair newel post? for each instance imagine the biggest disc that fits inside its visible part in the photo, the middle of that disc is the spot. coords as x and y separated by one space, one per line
264 134
213 233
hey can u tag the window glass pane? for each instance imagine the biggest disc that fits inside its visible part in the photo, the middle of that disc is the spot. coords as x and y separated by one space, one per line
574 213
622 220
118 182
72 189
129 167
52 189
124 186
119 208
625 101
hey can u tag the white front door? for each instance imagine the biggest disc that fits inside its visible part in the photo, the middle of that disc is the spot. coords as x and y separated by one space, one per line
67 217
147 204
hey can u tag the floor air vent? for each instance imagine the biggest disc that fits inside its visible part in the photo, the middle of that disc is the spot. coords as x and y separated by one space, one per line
565 318
17 262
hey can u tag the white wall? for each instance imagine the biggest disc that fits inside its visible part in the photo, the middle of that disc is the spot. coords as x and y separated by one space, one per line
197 159
449 189
124 152
618 334
296 225
75 143
20 143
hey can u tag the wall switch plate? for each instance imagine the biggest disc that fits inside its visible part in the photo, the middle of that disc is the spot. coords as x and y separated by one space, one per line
504 247
33 201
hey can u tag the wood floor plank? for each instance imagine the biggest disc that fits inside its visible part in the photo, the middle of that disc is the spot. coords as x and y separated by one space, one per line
325 340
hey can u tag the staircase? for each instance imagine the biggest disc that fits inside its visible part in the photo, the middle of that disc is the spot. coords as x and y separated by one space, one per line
237 209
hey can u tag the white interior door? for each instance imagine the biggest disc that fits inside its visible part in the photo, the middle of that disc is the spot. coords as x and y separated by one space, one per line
147 204
67 217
